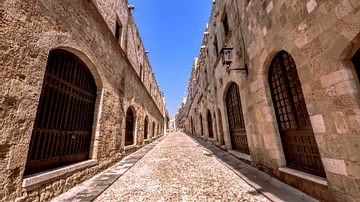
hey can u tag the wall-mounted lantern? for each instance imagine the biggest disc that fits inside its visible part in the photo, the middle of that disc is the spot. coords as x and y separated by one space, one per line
226 55
227 59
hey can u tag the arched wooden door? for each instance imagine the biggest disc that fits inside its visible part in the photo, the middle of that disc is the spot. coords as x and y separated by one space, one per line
236 120
221 140
158 130
62 129
356 61
215 128
192 126
153 132
201 126
210 126
146 128
129 128
295 128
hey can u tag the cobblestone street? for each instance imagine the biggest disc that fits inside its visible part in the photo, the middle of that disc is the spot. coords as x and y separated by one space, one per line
178 169
182 168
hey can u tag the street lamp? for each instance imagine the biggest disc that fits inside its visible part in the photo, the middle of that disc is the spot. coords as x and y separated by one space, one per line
227 59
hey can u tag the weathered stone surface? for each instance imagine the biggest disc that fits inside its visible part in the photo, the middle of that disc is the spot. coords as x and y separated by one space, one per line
322 37
85 28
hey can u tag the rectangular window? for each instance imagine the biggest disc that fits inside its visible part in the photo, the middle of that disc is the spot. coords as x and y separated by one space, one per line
118 31
141 73
226 25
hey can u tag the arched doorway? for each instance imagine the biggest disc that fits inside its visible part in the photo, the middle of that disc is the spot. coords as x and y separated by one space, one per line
221 134
192 126
210 127
356 61
62 129
215 128
129 128
294 124
158 130
146 128
153 132
201 125
236 120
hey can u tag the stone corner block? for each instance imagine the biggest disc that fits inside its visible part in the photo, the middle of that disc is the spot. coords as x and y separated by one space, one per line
334 166
318 124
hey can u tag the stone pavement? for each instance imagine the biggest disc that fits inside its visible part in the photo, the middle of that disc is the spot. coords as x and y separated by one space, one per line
179 169
90 189
272 188
182 168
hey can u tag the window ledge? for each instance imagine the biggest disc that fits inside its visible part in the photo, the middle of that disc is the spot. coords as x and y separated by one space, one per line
129 146
307 176
240 155
51 174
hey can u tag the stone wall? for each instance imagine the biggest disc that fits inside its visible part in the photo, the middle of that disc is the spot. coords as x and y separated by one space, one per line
322 37
85 28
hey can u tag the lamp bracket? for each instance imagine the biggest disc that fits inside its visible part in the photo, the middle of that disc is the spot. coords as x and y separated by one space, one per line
228 69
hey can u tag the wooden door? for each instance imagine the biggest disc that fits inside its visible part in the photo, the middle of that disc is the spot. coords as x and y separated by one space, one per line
210 126
236 120
129 128
295 128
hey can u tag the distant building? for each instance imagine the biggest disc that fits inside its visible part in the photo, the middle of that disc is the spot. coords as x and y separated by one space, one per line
296 115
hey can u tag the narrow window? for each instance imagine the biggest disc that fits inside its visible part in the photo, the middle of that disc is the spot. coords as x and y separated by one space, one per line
226 25
216 47
118 31
141 73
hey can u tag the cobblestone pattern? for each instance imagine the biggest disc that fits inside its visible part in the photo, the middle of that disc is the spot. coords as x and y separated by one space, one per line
269 186
90 189
179 169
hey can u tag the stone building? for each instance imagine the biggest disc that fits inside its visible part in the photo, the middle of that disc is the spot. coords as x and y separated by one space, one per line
295 114
77 94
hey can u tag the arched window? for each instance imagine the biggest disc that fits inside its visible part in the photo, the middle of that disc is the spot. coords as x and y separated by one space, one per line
201 125
215 127
158 130
236 120
146 128
210 127
153 132
141 73
221 139
192 126
62 129
129 129
295 128
356 61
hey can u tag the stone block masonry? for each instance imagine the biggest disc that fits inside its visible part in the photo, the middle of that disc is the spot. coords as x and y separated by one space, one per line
320 82
103 36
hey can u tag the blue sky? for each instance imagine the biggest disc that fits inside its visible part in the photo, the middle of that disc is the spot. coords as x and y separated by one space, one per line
172 32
